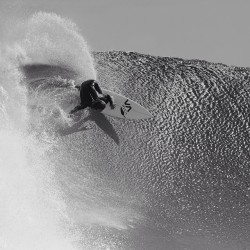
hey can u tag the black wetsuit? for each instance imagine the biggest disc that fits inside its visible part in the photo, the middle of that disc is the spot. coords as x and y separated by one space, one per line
89 91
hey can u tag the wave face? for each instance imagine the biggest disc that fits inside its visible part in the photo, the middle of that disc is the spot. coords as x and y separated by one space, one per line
177 181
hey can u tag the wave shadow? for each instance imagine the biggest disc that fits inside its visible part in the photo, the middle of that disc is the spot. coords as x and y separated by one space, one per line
104 124
100 120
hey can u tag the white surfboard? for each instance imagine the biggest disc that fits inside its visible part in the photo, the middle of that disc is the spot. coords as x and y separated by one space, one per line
125 108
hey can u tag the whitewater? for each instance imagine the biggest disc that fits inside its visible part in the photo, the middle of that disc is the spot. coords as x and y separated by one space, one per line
33 212
177 181
49 196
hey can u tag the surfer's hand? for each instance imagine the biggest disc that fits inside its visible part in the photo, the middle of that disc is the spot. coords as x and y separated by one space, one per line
71 113
78 87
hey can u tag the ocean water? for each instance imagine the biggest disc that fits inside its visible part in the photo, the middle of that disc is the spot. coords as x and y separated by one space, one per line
179 180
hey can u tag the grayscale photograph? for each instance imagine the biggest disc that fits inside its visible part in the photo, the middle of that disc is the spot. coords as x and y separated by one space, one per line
124 125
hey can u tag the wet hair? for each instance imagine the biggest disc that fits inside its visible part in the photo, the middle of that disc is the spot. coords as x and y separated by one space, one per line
98 105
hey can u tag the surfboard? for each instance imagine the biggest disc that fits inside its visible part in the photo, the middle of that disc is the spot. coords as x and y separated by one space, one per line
125 108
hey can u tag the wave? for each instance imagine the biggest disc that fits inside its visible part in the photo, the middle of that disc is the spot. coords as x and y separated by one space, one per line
32 209
40 182
179 180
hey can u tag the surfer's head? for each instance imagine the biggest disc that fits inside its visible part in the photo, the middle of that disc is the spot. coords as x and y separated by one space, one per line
98 105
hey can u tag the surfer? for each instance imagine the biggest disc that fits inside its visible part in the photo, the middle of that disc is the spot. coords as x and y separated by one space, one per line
92 96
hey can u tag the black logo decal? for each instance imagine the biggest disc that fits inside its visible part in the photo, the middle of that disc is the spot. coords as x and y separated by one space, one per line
126 107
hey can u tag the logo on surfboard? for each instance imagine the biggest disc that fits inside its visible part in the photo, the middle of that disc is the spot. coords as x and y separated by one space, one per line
126 107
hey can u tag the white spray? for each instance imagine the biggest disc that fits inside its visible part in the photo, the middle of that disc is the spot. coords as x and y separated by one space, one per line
32 212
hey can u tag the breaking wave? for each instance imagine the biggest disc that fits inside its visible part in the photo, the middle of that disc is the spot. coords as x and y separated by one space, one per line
33 212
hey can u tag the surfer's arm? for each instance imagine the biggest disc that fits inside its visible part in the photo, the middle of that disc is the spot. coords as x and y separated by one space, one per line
78 87
77 108
110 100
97 87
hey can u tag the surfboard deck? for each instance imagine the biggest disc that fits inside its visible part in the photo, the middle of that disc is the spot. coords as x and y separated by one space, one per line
125 108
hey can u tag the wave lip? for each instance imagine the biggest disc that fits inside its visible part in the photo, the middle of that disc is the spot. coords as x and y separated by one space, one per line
51 39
